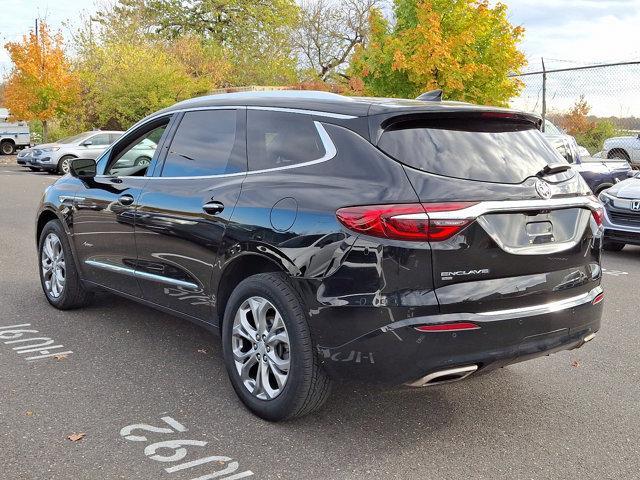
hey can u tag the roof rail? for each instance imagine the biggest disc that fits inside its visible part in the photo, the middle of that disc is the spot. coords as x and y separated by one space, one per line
431 96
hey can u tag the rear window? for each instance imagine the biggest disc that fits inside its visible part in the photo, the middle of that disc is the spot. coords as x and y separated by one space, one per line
279 139
500 151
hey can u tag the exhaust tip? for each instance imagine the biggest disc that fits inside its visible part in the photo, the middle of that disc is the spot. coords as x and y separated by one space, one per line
444 376
589 337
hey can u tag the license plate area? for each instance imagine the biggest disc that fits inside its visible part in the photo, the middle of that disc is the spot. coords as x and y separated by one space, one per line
540 232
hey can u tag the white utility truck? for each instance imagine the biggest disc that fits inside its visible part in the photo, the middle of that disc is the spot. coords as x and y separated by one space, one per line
13 135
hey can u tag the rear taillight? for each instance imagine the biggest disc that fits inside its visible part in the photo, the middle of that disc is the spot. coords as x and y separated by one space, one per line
415 221
597 211
598 214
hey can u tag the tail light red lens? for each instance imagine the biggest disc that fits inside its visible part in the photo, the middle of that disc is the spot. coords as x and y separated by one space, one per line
599 298
597 212
598 215
415 221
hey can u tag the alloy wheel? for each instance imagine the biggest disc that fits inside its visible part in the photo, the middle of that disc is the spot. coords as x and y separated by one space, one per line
261 348
53 265
65 165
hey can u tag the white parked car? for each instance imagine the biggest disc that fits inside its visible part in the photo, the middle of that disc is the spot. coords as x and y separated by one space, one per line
627 148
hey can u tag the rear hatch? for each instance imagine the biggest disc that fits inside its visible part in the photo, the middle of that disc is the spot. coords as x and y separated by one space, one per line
513 234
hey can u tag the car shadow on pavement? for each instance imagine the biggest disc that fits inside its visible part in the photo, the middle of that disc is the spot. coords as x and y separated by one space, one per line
184 357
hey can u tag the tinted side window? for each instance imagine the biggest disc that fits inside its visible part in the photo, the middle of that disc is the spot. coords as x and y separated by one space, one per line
279 139
203 144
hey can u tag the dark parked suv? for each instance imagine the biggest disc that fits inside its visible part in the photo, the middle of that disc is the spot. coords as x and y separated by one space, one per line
394 241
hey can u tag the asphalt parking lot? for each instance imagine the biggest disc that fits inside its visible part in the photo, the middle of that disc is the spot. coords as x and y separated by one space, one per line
134 377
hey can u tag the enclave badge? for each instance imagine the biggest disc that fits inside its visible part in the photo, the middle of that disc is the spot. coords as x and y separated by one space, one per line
543 189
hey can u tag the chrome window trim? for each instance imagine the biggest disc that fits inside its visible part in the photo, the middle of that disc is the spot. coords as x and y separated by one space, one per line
140 274
329 149
316 113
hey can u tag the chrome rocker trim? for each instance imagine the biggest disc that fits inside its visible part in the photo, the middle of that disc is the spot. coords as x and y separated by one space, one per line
140 274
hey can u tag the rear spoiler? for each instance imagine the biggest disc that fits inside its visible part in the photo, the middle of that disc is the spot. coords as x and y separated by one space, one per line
379 123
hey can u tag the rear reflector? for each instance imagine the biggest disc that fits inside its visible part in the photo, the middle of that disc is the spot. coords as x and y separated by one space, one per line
448 327
598 299
405 221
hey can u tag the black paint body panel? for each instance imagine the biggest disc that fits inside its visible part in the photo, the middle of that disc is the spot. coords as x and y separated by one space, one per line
363 295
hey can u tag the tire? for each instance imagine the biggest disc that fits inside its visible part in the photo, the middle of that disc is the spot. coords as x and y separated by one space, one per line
72 294
601 188
64 164
306 386
142 160
7 148
619 154
613 246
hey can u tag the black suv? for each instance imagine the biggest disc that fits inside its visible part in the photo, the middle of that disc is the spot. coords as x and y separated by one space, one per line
395 241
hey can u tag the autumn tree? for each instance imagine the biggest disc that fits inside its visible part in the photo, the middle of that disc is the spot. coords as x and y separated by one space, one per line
328 33
465 47
41 84
589 133
576 120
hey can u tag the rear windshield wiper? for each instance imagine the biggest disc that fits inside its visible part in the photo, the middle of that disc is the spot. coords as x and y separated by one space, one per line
552 170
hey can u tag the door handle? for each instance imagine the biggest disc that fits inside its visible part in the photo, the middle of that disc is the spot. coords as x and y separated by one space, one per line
125 200
213 208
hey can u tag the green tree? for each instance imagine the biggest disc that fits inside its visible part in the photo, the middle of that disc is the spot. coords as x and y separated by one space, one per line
253 36
465 47
123 83
593 138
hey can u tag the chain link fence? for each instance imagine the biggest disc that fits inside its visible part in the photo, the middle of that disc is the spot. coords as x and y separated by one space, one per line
599 105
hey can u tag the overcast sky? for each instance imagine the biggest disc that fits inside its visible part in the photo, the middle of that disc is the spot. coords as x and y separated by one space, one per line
565 32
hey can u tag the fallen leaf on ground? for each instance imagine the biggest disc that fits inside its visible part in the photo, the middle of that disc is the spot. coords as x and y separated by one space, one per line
29 413
202 350
74 437
60 357
575 364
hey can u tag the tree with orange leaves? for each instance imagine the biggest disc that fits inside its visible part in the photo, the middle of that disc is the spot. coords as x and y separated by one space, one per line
41 84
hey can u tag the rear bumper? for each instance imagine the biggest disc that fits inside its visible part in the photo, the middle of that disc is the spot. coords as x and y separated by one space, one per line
398 353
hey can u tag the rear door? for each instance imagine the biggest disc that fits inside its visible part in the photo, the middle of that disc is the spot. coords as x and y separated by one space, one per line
185 207
511 236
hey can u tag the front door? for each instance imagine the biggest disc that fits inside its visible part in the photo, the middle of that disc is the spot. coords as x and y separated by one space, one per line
184 209
103 222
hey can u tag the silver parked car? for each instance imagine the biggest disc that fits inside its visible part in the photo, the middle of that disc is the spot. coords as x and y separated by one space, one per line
56 157
626 148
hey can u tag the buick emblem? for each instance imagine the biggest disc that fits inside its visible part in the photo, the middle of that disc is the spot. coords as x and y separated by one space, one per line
635 205
543 189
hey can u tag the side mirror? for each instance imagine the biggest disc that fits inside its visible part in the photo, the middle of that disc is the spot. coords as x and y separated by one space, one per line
83 167
86 143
